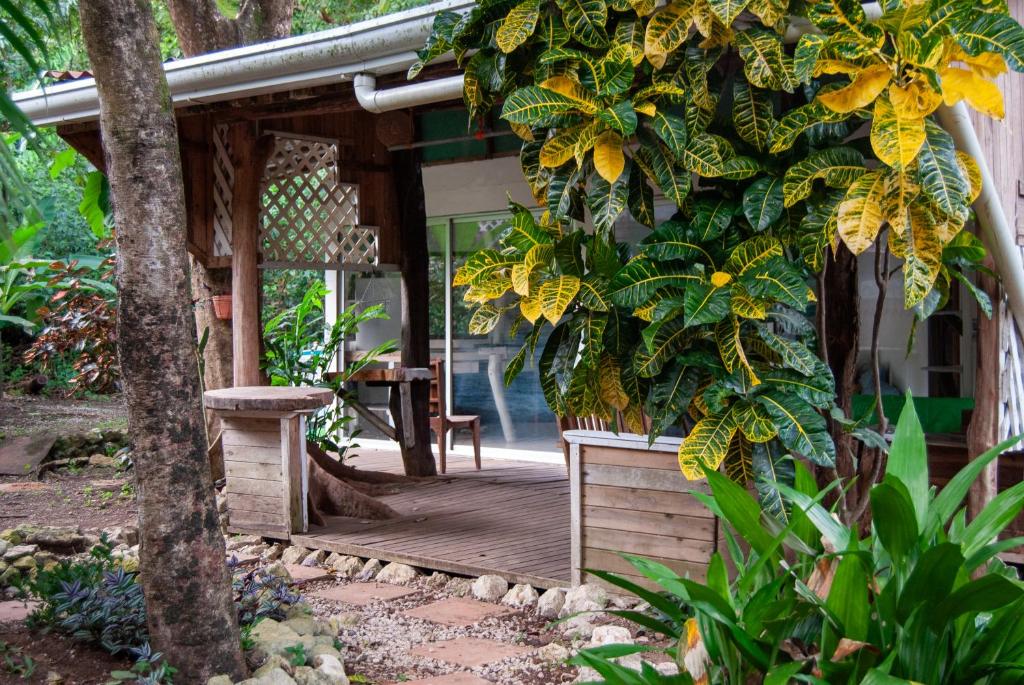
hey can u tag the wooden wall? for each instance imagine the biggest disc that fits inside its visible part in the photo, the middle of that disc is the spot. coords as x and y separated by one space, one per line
627 498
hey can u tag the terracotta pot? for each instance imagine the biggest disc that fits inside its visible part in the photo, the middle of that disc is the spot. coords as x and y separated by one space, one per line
222 306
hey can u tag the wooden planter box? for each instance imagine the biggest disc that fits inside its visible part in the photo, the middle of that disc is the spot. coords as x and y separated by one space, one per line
627 496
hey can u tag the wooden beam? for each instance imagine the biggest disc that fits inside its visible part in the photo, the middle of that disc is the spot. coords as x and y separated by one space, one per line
249 156
407 182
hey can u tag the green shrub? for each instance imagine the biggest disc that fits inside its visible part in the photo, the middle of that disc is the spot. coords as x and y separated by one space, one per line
922 597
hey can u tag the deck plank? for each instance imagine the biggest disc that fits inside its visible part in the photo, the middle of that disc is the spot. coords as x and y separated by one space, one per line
510 518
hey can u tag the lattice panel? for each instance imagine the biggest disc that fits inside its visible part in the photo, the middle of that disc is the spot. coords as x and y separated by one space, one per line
307 217
223 182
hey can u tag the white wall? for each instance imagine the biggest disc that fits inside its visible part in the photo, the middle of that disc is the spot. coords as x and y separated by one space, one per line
474 187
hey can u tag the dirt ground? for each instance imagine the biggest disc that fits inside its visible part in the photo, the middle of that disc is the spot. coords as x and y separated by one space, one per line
89 497
78 664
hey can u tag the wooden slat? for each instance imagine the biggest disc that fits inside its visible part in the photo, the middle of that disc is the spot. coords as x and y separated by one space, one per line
269 505
646 544
648 479
604 560
252 486
260 439
258 455
648 522
242 517
638 499
256 471
665 461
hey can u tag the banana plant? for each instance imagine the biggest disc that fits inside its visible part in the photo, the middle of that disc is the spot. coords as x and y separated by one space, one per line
922 598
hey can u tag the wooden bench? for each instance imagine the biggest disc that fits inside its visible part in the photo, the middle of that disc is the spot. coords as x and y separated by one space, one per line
264 440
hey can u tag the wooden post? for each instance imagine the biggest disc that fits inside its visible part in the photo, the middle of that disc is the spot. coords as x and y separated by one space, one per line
983 431
245 277
407 182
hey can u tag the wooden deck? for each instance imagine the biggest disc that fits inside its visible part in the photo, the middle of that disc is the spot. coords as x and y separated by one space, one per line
510 519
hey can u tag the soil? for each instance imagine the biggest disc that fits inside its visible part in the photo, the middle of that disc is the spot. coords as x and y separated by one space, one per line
75 662
27 414
74 497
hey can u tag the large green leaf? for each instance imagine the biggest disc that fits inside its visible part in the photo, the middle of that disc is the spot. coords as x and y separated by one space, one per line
619 117
941 177
641 198
818 229
794 354
607 200
993 519
848 597
765 62
711 217
801 428
705 303
893 515
519 25
728 10
671 394
777 280
668 341
817 390
636 282
752 113
481 265
836 166
536 106
672 131
908 459
994 32
763 202
896 137
706 155
673 181
796 121
671 240
666 31
586 20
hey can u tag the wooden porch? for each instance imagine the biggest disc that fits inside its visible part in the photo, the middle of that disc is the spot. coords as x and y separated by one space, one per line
510 519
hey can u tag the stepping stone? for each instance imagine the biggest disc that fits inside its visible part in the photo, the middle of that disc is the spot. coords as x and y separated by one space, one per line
244 559
19 456
361 594
306 574
457 611
15 611
469 652
459 678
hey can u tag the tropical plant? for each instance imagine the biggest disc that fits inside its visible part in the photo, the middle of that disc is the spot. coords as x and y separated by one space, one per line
757 143
80 319
259 594
21 286
301 350
921 598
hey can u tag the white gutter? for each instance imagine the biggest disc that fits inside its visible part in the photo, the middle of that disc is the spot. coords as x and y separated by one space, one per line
380 46
995 229
400 97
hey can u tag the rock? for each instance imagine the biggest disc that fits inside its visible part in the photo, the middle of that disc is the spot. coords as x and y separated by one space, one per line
370 569
127 535
237 542
278 569
346 566
577 628
3 547
272 662
460 587
490 588
302 625
347 619
62 539
45 560
438 580
307 675
397 574
219 680
667 668
298 610
276 638
275 676
586 597
274 551
54 678
315 558
10 576
15 552
551 602
294 555
520 597
255 550
11 536
24 563
622 602
331 666
610 635
554 653
101 460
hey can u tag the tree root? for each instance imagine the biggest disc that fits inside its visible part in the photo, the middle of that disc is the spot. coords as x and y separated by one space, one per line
349 473
329 495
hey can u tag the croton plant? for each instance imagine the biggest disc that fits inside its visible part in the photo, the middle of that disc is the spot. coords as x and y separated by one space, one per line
777 129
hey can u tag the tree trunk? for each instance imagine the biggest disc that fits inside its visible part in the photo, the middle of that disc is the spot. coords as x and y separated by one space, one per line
202 27
189 605
217 372
841 342
983 431
412 225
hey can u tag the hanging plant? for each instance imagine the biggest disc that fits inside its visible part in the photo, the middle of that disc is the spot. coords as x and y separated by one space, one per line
772 153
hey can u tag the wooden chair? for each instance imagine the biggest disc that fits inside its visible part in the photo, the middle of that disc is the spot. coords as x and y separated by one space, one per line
441 422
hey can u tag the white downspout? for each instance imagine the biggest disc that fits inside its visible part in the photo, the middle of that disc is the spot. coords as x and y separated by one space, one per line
995 229
400 97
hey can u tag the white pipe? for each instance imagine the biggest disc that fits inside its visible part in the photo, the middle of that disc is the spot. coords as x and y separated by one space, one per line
400 97
380 46
995 229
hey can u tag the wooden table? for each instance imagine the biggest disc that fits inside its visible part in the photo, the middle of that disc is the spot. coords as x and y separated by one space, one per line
264 439
398 378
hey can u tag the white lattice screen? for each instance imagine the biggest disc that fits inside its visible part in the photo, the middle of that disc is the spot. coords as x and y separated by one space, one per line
308 219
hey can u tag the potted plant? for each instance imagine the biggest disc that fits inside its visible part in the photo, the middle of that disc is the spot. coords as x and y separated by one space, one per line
221 306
